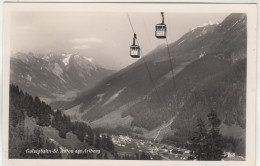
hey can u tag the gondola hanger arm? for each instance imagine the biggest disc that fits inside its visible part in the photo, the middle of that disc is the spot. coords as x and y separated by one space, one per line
162 13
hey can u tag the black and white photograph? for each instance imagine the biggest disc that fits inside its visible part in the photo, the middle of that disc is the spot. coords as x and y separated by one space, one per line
163 84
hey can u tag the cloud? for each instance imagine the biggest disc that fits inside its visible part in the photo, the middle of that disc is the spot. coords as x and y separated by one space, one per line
85 40
81 47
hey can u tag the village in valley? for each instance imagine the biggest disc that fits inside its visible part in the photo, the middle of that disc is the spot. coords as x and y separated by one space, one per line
125 145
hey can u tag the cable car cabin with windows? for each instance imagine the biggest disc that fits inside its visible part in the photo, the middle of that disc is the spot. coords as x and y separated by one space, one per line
134 49
160 29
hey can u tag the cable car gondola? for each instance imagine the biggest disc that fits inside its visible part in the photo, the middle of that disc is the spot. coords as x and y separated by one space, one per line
134 49
160 29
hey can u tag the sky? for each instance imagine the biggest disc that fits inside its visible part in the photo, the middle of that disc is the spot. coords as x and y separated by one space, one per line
105 37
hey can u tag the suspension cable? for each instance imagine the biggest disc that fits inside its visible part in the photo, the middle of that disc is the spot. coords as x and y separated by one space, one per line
173 78
157 69
172 68
143 58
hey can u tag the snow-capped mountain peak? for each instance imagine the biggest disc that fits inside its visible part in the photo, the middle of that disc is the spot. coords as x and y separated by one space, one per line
49 74
66 59
85 61
216 22
89 59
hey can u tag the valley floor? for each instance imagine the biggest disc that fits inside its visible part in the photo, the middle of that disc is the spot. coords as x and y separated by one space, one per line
132 146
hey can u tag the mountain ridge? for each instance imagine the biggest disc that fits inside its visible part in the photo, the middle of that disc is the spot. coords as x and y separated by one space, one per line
211 52
55 76
203 59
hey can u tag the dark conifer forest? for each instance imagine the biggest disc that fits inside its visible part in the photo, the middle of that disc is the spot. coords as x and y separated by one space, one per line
23 105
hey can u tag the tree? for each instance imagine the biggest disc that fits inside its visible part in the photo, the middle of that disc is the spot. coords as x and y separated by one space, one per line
214 140
207 145
62 123
97 141
110 145
81 129
38 138
137 156
198 142
36 107
144 156
105 157
104 141
44 118
90 137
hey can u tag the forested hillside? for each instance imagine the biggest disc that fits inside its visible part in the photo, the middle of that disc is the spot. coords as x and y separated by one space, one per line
209 70
25 135
180 97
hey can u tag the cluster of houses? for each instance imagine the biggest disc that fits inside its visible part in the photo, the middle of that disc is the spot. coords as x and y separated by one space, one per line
121 140
150 147
166 149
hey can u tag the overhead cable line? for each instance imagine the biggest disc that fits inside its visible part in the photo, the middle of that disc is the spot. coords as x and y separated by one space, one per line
172 71
157 69
143 58
173 77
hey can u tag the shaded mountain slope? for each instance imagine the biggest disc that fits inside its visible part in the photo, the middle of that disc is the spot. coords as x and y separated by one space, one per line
135 78
201 58
55 76
224 93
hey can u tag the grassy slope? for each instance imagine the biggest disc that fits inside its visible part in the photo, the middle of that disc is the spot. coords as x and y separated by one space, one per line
71 142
